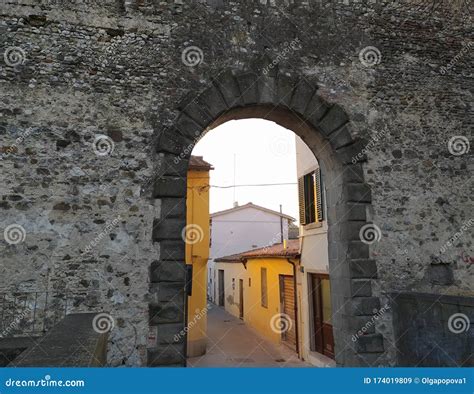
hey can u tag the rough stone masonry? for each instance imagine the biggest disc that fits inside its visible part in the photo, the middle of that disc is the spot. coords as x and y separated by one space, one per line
94 141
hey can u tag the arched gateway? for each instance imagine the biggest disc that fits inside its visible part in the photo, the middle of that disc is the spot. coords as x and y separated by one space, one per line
292 102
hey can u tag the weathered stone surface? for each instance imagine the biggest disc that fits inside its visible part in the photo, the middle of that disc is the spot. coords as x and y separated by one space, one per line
361 306
447 335
363 268
361 288
167 270
372 343
166 229
169 187
169 312
173 208
116 69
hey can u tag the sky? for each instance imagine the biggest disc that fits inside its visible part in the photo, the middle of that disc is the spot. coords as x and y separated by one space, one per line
264 153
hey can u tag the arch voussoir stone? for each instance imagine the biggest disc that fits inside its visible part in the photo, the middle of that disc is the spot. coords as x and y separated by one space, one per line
248 87
228 88
301 97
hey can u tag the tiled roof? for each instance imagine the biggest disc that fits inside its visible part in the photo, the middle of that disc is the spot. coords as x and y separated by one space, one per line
199 164
292 250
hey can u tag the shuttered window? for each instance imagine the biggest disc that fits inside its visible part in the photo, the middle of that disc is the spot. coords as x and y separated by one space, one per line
310 193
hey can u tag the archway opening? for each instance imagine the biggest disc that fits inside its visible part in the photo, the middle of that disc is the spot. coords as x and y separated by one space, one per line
326 130
261 283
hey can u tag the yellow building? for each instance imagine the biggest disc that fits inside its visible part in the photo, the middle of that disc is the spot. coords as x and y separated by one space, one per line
197 252
260 288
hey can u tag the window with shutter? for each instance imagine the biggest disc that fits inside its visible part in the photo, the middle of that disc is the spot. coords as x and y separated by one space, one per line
310 195
318 195
301 199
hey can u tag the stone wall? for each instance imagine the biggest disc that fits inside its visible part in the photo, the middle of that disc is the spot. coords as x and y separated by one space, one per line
76 70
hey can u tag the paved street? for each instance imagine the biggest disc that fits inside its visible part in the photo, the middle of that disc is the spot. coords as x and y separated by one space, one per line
231 343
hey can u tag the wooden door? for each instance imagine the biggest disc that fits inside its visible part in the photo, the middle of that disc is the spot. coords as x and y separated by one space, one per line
288 311
322 339
241 299
221 288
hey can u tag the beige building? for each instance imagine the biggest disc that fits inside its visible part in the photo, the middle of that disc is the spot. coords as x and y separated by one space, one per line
313 279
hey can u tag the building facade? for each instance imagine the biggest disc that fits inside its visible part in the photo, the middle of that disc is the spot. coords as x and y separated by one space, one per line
259 287
196 236
243 228
313 279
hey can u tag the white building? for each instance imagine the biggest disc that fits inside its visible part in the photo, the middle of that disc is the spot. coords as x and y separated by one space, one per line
240 229
315 311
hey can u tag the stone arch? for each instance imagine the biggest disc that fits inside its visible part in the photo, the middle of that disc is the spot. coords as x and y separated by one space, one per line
295 104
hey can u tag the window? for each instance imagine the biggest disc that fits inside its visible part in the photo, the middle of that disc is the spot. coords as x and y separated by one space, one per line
263 282
250 282
310 194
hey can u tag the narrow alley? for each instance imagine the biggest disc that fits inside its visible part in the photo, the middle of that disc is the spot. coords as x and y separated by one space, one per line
231 343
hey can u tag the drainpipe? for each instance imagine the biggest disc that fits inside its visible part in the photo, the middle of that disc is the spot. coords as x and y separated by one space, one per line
293 263
281 223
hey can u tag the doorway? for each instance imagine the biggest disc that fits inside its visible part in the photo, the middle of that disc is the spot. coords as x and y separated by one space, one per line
288 311
221 288
322 338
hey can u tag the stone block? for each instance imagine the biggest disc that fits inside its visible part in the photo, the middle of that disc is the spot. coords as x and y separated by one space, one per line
357 193
227 85
168 229
170 312
248 85
302 95
358 250
315 110
361 288
167 270
363 306
170 187
172 250
285 86
166 291
173 207
333 120
363 268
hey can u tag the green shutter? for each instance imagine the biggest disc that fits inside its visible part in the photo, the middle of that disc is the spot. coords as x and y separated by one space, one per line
301 200
319 206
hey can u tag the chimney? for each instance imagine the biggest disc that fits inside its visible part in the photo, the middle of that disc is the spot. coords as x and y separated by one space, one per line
236 204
